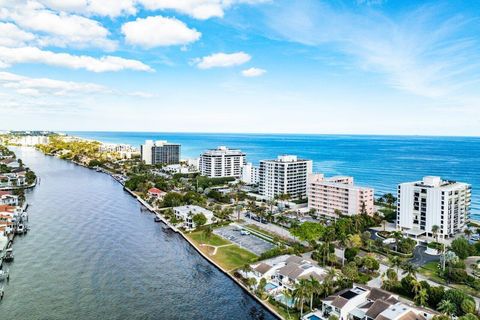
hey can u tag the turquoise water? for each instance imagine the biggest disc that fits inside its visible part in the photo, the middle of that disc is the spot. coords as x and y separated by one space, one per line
380 162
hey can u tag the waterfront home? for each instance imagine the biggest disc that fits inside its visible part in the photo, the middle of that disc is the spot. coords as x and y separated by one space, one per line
155 193
365 303
283 273
9 180
8 199
186 214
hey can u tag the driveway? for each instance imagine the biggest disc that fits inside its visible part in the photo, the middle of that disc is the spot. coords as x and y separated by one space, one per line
420 258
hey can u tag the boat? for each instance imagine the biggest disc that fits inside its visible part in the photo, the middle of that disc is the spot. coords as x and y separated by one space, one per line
8 255
20 229
4 275
157 219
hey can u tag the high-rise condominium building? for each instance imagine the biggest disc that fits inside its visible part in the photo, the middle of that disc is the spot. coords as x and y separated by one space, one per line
285 175
160 152
222 162
329 196
433 202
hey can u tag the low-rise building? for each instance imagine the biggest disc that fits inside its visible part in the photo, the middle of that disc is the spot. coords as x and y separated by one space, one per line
329 196
8 199
433 202
186 214
365 303
156 193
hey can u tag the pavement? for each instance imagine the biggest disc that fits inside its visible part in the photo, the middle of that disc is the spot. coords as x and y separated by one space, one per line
249 242
273 228
420 258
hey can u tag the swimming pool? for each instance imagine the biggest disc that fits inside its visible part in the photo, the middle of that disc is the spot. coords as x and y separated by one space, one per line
313 317
288 302
270 286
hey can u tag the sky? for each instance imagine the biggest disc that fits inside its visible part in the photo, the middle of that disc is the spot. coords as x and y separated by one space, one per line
262 66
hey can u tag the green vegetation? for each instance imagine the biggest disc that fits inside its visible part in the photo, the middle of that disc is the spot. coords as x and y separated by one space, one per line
75 150
233 257
198 237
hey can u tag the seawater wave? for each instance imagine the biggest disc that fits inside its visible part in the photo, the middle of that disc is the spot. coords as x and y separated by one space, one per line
381 162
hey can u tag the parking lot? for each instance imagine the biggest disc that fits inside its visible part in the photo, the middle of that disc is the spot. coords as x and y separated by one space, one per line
249 242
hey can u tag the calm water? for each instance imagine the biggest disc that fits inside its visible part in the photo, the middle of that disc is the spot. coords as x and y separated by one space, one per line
380 162
93 253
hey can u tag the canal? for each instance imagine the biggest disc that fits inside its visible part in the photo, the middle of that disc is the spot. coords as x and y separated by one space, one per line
94 253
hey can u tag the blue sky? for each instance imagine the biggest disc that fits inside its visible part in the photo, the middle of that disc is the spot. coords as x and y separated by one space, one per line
310 66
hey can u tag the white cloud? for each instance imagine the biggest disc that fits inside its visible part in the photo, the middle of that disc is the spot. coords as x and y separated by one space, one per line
420 51
12 36
36 86
199 9
158 31
57 28
253 72
222 60
111 8
11 56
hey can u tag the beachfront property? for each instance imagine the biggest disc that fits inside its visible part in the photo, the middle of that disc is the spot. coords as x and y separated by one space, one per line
160 152
283 273
182 168
285 175
327 196
433 202
222 162
29 140
186 214
249 174
365 303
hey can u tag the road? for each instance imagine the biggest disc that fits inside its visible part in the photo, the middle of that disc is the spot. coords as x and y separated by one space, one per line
421 258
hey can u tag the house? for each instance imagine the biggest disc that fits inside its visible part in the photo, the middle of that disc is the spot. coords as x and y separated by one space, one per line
186 214
156 193
365 303
8 199
283 273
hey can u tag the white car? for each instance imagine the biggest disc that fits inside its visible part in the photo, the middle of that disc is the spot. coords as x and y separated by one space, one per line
244 232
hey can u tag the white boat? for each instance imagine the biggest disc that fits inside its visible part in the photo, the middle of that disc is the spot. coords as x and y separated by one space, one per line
20 229
4 275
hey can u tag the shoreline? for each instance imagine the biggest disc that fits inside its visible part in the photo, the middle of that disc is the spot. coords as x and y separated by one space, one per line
173 228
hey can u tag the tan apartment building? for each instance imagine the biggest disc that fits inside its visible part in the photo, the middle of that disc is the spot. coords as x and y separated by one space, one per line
327 195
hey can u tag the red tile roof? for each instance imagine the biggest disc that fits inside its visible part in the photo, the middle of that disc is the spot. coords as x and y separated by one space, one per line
155 190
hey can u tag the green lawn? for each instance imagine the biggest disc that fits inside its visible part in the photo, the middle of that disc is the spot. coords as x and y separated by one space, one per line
233 257
214 240
429 270
229 258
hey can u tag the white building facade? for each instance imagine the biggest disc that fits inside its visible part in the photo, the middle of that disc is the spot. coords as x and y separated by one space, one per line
285 175
250 174
338 194
433 201
222 162
186 214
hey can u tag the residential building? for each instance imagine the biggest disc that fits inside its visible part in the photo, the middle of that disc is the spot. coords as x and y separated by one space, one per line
282 273
8 199
327 196
222 162
365 303
285 175
433 202
156 193
249 174
186 214
160 152
29 140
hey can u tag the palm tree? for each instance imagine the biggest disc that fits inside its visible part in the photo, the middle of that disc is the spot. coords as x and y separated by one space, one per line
315 289
435 230
421 297
288 296
328 282
397 235
447 307
395 262
409 269
416 286
467 233
301 293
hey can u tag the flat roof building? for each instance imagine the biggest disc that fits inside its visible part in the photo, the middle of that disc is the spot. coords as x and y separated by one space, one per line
160 152
327 196
222 162
285 175
433 202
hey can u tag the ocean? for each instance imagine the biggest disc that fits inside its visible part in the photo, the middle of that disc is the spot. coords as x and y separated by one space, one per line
380 162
